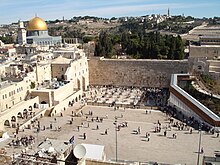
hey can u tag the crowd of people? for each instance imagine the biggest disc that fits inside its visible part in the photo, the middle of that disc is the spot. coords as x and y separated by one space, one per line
22 141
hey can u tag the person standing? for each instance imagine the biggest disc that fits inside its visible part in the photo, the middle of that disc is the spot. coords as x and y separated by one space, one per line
148 137
165 133
84 136
139 130
202 151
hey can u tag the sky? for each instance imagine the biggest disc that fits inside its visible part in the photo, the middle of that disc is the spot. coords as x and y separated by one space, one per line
13 10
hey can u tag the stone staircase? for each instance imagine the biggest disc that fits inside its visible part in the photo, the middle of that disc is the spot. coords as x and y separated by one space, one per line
48 112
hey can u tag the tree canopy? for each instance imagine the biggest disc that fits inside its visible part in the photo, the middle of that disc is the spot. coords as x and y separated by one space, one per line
139 44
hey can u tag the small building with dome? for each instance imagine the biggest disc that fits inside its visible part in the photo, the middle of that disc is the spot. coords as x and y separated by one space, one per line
36 33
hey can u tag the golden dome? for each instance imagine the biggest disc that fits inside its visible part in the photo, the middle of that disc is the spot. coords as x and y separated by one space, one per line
36 23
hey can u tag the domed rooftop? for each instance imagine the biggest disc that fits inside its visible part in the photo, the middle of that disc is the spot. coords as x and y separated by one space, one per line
36 23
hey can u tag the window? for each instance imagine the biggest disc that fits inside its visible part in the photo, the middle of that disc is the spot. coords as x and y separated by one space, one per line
6 106
199 67
3 96
62 69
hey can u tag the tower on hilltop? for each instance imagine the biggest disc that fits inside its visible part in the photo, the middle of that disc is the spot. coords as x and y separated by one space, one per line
21 38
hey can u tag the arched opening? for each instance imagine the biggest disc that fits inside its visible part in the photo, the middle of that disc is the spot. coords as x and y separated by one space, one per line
24 112
76 99
6 123
43 102
83 84
13 119
62 77
35 105
30 108
78 84
19 115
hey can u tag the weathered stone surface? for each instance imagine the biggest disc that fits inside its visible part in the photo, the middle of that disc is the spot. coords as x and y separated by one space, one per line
131 72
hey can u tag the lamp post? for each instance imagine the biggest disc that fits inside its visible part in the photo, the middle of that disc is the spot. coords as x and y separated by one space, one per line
116 139
199 149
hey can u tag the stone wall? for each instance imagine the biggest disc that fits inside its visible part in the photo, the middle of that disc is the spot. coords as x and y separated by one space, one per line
131 72
208 51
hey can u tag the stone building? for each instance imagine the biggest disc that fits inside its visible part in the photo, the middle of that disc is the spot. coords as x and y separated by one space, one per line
53 85
36 33
208 51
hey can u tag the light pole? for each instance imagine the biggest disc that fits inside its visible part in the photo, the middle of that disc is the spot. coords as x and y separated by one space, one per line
116 139
199 149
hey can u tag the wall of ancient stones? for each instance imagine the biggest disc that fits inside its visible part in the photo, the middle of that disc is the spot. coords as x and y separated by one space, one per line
131 72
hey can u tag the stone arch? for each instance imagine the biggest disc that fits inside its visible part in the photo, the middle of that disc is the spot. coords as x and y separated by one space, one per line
78 84
70 103
19 115
35 105
6 123
25 111
13 119
83 83
30 108
62 77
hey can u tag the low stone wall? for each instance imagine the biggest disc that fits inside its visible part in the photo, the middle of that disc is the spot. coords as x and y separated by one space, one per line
131 72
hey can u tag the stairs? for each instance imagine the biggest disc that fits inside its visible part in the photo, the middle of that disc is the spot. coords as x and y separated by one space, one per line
48 112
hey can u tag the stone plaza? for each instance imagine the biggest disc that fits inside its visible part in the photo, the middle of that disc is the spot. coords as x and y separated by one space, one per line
132 144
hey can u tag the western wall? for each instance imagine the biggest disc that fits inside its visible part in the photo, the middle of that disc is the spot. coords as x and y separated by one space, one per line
134 72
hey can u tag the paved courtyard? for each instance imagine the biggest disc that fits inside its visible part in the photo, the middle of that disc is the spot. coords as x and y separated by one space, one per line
131 146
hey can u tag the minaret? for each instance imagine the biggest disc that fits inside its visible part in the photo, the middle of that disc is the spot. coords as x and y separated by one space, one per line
21 33
168 12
